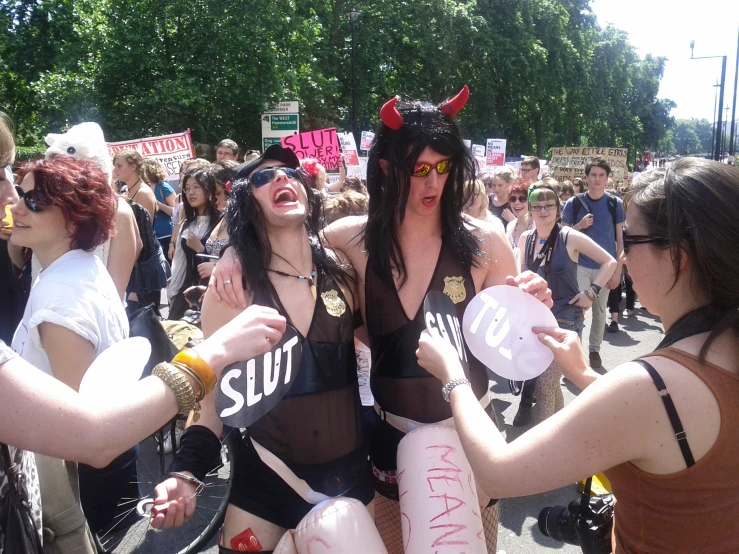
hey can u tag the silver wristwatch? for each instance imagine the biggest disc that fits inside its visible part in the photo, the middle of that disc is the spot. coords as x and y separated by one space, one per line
6 353
446 390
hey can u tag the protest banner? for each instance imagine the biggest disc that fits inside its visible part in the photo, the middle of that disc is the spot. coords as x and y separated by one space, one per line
349 149
569 162
322 145
360 170
495 151
367 138
168 150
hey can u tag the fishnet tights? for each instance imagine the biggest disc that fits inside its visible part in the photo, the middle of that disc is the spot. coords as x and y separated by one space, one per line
549 398
387 520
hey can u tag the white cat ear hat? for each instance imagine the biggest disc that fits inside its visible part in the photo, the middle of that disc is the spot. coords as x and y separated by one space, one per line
84 141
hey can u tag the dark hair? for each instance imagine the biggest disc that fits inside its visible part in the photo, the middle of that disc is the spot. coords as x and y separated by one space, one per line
673 204
205 179
424 126
567 188
597 162
532 161
223 171
248 236
81 190
230 144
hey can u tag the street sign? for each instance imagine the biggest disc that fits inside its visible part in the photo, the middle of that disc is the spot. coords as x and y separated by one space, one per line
279 120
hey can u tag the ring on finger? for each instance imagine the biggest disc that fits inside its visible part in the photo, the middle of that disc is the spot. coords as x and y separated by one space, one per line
227 282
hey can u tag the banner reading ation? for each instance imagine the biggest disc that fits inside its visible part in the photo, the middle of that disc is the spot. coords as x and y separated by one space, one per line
168 150
568 163
322 145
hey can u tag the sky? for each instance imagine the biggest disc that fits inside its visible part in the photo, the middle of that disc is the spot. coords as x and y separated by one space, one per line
665 28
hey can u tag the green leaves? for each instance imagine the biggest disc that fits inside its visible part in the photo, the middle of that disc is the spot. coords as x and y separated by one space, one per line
542 73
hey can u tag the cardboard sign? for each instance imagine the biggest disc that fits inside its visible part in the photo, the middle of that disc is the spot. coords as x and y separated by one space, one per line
497 327
568 163
248 390
495 152
367 138
168 150
441 320
117 368
349 149
322 145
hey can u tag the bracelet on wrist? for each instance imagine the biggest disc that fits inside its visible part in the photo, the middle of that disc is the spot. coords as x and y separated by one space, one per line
596 288
181 387
190 358
199 485
446 390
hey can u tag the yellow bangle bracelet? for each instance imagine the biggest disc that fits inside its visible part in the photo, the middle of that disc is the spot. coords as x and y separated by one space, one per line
192 359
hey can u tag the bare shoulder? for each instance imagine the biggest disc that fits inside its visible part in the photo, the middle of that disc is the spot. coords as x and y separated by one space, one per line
347 230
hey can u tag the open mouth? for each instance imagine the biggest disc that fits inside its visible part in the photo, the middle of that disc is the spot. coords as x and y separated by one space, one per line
429 201
284 196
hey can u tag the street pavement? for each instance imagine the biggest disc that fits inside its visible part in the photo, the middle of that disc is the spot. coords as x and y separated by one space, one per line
518 532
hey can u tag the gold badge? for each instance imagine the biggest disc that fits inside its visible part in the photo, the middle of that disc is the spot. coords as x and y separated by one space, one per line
454 289
334 305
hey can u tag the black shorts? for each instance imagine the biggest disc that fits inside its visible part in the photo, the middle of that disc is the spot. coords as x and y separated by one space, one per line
260 491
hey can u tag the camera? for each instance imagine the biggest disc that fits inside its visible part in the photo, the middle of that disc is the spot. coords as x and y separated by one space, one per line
586 522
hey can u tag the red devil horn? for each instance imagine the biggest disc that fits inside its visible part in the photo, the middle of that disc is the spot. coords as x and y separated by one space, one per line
390 115
452 107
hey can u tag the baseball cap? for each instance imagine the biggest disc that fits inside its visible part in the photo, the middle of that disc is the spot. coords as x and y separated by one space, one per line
274 152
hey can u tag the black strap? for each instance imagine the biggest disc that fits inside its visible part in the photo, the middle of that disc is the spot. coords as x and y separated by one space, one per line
533 262
677 426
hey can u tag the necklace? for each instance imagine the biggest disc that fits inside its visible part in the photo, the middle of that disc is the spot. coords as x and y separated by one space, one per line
137 190
311 280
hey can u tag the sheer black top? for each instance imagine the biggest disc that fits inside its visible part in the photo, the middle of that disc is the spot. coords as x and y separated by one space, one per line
319 418
398 383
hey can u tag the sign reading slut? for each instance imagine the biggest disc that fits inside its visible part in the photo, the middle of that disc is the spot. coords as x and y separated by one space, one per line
496 327
246 391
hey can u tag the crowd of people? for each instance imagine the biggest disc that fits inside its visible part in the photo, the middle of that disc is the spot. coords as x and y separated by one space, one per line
250 247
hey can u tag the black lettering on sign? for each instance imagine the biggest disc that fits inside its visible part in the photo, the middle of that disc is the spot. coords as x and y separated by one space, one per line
440 316
248 390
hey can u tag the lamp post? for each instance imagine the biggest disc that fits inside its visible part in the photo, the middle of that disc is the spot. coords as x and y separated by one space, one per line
732 144
714 134
717 152
353 14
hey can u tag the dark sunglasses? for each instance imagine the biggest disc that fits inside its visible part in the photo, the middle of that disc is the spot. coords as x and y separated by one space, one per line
34 200
523 199
630 240
421 170
267 174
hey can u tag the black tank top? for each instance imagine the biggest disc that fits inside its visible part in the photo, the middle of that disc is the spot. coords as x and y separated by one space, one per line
319 419
398 383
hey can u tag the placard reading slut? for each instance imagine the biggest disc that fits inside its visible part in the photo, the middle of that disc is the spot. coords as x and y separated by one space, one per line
248 390
497 328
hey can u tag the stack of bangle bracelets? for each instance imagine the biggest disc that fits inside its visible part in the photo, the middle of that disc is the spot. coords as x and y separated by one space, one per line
592 292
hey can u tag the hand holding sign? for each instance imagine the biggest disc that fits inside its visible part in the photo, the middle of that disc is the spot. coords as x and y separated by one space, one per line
497 328
248 390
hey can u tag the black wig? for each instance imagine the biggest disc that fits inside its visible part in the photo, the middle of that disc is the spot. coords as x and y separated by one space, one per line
423 125
249 239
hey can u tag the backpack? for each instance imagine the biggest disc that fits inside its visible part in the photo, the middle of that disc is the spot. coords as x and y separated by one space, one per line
612 208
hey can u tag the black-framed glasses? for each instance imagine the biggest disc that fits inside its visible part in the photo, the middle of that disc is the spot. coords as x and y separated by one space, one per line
630 240
267 174
35 201
544 207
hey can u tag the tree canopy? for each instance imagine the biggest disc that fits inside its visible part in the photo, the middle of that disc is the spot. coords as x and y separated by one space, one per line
542 73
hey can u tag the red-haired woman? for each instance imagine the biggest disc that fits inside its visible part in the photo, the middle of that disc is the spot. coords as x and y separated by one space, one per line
66 209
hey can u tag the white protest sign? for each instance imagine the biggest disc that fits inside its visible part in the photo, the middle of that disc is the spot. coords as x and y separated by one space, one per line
495 151
478 150
349 149
366 142
168 150
467 143
359 171
497 328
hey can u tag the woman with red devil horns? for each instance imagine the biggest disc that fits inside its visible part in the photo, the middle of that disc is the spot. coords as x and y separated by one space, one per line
414 240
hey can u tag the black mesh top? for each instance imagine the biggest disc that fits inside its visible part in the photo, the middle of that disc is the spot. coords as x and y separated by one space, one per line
318 420
399 384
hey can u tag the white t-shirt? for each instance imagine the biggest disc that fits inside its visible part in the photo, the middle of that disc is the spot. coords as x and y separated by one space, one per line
75 292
